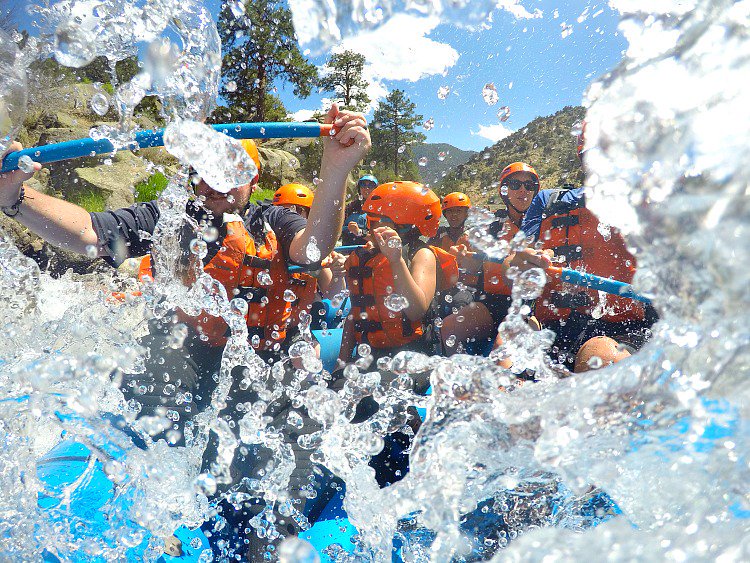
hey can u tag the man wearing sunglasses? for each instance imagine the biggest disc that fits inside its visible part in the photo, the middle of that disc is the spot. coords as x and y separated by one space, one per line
355 225
519 183
588 325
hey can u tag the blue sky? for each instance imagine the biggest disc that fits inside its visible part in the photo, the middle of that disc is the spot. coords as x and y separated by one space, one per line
420 54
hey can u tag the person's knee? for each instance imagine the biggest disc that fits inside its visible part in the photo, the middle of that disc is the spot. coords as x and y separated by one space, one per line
599 352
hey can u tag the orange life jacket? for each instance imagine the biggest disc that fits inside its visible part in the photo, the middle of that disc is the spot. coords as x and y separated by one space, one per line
370 281
444 242
572 231
491 279
243 268
305 287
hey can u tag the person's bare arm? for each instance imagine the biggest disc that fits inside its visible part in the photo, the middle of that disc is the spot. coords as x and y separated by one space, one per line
59 222
347 341
332 279
341 153
416 284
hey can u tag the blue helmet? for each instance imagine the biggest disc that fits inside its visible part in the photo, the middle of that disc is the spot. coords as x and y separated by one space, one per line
368 178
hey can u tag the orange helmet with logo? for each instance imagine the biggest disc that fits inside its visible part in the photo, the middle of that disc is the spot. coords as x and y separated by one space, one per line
293 194
517 167
456 199
406 203
252 150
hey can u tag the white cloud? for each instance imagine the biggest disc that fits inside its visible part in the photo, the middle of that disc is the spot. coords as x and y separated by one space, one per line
494 133
305 114
401 50
518 11
302 115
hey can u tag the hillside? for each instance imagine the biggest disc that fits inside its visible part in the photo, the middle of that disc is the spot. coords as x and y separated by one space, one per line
451 157
546 143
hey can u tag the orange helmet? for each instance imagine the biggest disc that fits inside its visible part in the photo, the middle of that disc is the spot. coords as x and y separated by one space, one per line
293 194
517 167
456 199
406 203
252 150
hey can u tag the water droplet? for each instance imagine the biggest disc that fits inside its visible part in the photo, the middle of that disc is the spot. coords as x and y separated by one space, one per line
99 103
503 113
295 419
199 248
395 302
237 8
264 278
450 341
423 161
290 296
312 251
296 550
394 242
489 94
25 164
443 92
177 336
231 86
364 350
595 362
92 251
73 46
401 149
429 124
238 306
373 163
442 155
210 234
205 484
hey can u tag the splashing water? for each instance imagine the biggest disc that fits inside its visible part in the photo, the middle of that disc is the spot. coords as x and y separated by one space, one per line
664 434
13 91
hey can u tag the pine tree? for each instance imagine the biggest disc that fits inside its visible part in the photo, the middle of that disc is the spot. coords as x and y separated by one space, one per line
344 78
259 48
394 126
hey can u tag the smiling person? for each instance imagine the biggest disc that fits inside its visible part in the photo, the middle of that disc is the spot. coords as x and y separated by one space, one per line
355 226
393 281
519 183
255 243
592 329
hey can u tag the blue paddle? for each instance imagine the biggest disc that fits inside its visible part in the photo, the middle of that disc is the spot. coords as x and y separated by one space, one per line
155 138
614 287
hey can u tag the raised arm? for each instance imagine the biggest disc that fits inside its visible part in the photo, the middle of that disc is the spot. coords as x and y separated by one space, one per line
341 153
58 222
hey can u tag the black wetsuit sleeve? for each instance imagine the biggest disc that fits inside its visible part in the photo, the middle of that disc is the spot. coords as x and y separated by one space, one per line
120 232
285 224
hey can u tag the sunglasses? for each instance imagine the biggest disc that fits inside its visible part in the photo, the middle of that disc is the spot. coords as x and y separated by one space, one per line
515 185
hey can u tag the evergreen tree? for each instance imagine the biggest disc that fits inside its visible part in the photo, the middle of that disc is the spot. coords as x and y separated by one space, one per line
344 78
259 48
394 126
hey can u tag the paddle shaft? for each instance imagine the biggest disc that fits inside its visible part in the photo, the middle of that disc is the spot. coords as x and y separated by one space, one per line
155 138
581 279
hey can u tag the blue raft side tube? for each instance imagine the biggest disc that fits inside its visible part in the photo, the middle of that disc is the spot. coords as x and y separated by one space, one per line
155 138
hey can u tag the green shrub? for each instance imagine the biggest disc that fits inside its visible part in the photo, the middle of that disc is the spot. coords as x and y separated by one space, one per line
89 200
149 189
262 193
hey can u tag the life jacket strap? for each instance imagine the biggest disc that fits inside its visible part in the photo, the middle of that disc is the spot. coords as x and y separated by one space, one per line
571 252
